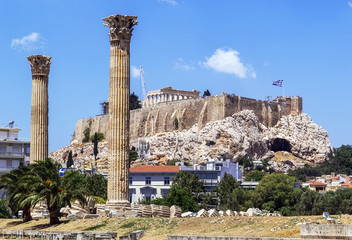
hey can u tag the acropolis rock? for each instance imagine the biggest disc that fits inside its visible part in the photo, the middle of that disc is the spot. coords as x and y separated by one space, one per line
236 137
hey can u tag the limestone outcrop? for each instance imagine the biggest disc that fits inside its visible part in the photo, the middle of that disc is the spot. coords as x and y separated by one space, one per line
241 135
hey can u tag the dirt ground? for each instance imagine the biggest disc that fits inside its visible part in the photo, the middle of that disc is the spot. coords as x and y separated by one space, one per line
160 228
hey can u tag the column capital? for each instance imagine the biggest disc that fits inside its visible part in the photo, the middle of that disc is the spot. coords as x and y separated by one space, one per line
40 65
121 26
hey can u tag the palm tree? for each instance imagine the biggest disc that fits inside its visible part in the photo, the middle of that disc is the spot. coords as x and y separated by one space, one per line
47 185
15 193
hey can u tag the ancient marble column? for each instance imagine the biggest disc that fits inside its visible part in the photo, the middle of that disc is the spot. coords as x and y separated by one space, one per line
40 66
121 27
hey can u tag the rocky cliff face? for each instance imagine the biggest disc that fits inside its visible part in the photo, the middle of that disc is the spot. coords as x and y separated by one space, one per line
242 136
235 137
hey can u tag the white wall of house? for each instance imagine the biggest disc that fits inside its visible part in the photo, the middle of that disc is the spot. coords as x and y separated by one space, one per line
142 189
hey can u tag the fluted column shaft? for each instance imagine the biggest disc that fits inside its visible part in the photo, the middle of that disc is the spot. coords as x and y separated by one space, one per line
119 97
121 27
40 66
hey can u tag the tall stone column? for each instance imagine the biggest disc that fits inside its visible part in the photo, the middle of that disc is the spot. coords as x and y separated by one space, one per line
40 67
121 27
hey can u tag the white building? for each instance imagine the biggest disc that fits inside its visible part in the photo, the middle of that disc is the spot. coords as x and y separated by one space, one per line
150 182
12 150
214 172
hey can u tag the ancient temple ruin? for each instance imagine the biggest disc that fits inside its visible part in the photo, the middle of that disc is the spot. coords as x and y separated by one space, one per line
121 27
40 67
168 94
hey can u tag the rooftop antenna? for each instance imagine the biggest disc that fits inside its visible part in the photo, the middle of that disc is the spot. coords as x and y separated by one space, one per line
11 123
143 84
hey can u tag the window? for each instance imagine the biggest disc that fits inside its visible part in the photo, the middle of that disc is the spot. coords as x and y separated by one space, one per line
9 163
166 180
16 150
148 180
130 180
2 149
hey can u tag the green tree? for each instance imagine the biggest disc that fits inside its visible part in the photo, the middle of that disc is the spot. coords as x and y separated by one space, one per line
190 182
247 163
69 160
341 163
206 93
176 123
276 191
4 211
95 149
100 136
255 175
224 191
231 196
45 184
15 192
308 201
135 103
96 185
182 198
186 192
173 161
133 155
86 133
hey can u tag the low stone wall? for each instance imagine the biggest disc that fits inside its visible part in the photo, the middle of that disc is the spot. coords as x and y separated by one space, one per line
175 237
57 235
326 231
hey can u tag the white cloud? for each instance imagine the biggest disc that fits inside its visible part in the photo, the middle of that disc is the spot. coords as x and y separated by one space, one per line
172 2
227 61
135 72
30 42
181 65
349 4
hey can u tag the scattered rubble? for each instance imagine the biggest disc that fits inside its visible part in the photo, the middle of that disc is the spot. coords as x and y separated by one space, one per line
214 213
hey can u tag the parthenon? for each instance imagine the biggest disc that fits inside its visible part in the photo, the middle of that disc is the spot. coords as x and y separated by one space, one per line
168 94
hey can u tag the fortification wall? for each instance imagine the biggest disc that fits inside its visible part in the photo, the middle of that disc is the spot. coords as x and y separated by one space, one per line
162 118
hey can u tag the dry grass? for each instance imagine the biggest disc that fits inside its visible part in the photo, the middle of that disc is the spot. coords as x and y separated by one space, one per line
159 228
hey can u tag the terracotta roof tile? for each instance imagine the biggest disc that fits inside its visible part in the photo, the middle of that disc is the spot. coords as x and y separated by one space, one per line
155 169
318 184
346 185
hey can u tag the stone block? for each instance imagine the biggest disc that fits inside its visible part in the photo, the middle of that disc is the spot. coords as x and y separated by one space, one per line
87 216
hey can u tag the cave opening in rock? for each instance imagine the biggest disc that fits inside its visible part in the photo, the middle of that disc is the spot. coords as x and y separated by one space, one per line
280 144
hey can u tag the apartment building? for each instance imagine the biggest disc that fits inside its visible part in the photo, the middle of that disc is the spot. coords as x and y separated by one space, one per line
12 150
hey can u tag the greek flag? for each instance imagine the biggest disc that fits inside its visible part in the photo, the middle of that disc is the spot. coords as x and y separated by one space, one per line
278 83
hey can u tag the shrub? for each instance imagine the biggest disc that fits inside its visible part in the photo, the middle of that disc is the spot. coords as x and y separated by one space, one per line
100 136
86 133
133 155
176 124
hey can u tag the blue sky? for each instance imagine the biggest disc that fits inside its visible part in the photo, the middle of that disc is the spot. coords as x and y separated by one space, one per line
231 46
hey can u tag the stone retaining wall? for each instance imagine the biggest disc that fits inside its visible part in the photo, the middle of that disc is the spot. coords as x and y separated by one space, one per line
175 237
57 235
326 231
161 118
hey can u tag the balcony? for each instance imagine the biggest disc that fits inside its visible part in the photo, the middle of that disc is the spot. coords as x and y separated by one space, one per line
6 169
12 155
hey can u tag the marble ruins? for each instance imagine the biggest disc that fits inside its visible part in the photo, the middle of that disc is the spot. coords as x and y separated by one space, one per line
168 94
121 27
40 66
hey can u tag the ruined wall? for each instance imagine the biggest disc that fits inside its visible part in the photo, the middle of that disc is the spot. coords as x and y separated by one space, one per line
161 118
